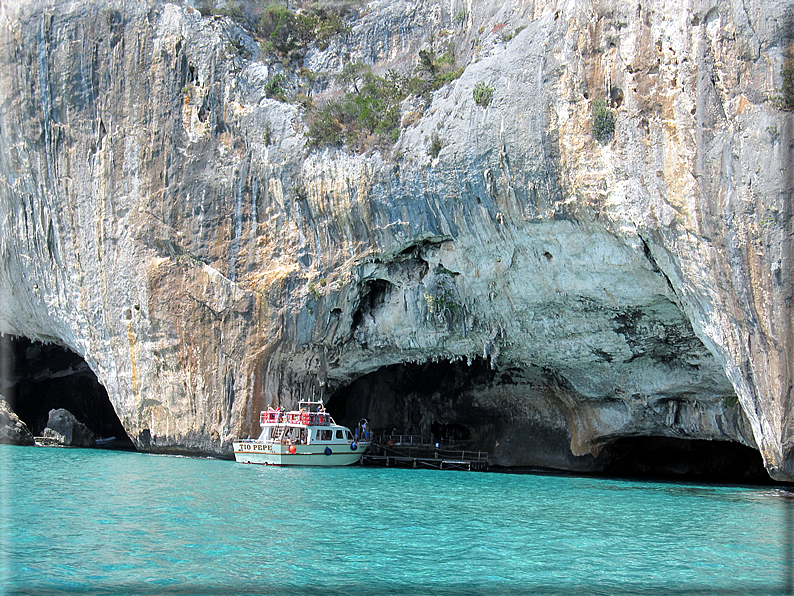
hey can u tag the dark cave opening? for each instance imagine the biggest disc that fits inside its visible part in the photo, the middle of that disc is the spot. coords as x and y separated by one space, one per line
37 377
444 401
450 433
690 459
417 399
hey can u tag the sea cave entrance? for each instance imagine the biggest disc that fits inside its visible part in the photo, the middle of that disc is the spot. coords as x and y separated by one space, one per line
432 400
690 459
473 407
37 377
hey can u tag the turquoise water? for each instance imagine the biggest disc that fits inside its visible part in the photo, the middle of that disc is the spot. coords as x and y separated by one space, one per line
99 522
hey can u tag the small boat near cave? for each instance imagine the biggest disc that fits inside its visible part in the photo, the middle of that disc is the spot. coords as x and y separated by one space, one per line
105 442
304 437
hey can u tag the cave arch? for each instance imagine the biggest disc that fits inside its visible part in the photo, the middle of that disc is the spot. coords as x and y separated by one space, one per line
37 377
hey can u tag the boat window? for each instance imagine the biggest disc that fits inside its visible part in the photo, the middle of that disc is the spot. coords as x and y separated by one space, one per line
339 435
349 436
324 435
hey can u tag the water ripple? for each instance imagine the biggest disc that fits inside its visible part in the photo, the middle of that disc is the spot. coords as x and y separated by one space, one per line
85 521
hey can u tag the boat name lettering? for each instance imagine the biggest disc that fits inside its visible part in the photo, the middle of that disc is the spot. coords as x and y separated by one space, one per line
254 447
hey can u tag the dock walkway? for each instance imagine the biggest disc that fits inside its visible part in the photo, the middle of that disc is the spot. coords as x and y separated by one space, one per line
427 456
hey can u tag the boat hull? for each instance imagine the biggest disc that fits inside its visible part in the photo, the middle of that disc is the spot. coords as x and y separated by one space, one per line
275 454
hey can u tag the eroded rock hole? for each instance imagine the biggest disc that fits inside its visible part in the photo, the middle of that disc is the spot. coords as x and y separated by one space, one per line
616 97
374 293
38 377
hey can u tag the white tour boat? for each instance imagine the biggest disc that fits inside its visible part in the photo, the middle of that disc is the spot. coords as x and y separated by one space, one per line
300 438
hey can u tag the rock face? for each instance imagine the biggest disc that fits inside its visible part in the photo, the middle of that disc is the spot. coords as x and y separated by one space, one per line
498 269
12 430
63 427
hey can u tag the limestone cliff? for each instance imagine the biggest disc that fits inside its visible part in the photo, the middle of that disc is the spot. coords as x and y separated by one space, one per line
498 267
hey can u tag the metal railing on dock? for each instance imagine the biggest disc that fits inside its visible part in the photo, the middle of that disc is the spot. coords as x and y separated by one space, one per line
423 455
399 439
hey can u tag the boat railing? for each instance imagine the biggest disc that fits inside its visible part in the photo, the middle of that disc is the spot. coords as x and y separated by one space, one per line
271 416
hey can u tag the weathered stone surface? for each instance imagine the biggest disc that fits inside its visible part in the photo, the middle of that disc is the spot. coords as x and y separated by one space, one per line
562 294
63 427
12 430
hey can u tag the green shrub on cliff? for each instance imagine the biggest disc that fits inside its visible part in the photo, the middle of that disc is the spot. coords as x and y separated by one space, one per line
786 98
279 29
603 128
286 30
274 87
435 146
482 94
368 115
433 72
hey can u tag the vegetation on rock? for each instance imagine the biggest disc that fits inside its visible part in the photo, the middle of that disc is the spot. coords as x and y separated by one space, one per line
441 295
512 35
433 72
435 146
281 30
603 121
482 94
274 87
786 97
367 115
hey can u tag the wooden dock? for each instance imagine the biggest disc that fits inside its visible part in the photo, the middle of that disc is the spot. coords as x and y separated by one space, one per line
421 462
427 457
